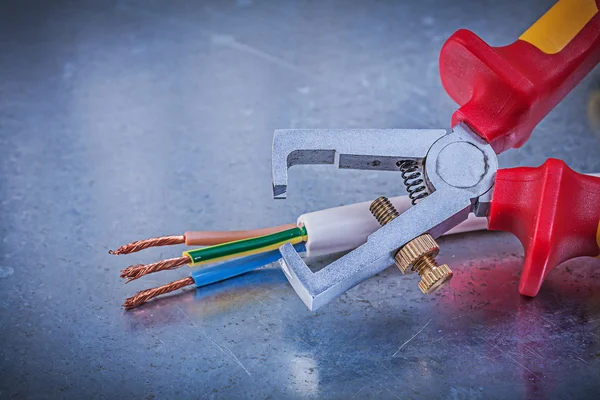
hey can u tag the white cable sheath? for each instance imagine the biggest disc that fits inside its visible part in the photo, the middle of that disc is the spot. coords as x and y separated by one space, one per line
347 227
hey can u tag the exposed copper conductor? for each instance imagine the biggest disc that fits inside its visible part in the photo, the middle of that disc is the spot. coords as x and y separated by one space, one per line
143 296
144 244
136 271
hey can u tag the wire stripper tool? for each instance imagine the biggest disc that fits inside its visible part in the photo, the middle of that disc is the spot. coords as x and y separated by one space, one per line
503 93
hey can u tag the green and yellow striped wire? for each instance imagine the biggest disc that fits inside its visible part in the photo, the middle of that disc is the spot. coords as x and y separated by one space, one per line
245 247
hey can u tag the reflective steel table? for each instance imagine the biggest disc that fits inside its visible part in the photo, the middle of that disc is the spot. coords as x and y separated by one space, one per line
132 119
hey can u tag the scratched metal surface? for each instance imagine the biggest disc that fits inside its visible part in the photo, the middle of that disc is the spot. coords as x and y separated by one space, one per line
124 120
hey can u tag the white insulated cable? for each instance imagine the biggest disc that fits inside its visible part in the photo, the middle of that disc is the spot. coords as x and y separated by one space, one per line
347 227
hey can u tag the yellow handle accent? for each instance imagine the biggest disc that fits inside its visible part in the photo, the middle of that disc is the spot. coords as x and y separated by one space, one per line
555 29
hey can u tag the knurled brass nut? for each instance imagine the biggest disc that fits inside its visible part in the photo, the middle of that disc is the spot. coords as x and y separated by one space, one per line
415 250
435 279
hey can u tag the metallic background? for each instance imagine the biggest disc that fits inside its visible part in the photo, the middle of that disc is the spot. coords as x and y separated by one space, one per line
124 120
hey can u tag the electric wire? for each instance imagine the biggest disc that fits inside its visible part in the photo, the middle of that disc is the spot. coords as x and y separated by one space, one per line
219 252
246 247
206 276
211 238
198 238
229 269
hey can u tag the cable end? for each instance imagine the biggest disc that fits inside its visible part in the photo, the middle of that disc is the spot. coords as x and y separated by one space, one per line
143 296
127 272
146 243
136 271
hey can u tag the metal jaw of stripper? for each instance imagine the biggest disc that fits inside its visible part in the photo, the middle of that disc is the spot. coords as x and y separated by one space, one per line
459 172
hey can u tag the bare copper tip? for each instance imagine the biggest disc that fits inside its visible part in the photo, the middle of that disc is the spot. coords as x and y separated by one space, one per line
143 296
144 244
136 271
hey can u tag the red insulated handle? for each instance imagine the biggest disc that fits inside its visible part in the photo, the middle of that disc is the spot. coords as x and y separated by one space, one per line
505 91
553 210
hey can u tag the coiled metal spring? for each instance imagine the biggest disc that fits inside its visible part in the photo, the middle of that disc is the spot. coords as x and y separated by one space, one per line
413 180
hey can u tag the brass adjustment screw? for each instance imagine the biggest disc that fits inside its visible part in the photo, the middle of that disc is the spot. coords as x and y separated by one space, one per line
383 210
418 255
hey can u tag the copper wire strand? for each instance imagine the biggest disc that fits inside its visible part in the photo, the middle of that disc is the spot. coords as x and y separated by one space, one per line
143 296
198 238
136 271
144 244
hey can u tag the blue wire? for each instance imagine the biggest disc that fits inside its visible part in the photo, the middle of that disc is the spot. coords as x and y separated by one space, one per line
229 269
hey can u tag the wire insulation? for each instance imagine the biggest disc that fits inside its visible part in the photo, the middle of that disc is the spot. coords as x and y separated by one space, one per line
246 247
239 266
345 228
211 238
